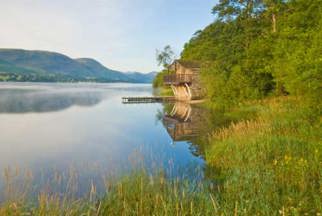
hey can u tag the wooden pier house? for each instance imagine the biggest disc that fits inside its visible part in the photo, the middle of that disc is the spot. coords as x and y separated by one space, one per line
184 79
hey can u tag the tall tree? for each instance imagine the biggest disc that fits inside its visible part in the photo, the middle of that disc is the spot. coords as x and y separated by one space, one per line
273 7
256 48
165 57
227 10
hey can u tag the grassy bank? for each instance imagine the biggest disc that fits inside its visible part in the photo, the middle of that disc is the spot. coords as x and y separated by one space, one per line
268 161
137 194
271 164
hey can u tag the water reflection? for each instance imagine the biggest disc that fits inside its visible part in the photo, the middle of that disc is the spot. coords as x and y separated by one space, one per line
39 97
93 134
21 101
182 121
187 122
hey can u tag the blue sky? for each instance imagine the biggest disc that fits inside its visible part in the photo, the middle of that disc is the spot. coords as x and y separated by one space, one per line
121 34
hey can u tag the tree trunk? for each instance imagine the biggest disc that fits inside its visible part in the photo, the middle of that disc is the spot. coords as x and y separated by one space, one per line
274 22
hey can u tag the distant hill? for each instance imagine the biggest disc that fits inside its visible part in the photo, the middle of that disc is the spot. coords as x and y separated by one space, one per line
149 77
25 65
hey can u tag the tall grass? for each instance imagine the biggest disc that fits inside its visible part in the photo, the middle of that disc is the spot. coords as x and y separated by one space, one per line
271 165
136 194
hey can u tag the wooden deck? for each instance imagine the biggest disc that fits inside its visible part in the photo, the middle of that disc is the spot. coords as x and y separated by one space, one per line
175 79
136 100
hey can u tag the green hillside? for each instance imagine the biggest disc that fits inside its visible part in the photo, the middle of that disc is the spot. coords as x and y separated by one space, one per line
99 70
24 65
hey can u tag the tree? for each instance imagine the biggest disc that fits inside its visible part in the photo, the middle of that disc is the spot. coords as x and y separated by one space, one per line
165 57
256 48
227 10
273 7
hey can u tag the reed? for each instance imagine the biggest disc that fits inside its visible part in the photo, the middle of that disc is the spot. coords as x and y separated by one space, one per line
136 194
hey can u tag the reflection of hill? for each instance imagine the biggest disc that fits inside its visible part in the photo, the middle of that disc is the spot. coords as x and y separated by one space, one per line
24 101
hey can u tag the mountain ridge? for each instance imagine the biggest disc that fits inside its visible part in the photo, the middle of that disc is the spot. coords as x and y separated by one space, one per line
39 65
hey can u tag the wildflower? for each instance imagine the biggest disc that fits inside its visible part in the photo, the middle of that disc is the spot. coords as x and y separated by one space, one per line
275 162
302 162
287 158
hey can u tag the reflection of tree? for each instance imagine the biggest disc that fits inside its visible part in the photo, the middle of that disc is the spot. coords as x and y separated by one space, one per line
23 101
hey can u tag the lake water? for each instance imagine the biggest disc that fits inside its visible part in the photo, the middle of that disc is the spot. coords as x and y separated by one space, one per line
85 132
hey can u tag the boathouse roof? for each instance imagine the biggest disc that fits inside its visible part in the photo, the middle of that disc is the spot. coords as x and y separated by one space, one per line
186 63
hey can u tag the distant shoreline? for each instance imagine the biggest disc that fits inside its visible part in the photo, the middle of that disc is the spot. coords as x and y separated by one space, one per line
81 82
73 82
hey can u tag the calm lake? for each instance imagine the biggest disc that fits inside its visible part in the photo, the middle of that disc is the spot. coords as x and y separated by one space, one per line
85 133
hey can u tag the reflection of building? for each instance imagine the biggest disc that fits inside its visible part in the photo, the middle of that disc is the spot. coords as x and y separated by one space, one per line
184 79
182 123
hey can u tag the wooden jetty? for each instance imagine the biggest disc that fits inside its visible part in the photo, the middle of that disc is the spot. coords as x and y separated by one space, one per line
156 99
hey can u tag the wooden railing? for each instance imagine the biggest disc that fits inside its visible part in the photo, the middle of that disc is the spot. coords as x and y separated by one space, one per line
172 79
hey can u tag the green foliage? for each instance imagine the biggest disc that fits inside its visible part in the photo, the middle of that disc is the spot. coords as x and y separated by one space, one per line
165 57
158 80
298 49
256 48
159 88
